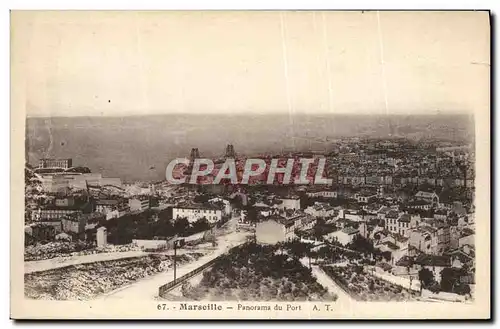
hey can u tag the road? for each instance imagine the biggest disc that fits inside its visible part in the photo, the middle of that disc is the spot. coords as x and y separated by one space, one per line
147 288
58 262
324 280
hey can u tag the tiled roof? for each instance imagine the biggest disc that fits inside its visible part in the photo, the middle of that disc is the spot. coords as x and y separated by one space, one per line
405 218
399 237
404 261
107 202
384 210
392 214
390 245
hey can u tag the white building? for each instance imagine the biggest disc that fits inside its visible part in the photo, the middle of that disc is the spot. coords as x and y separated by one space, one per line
292 202
466 240
431 197
213 213
320 210
365 197
118 212
138 204
351 215
227 204
420 204
105 206
277 228
344 236
403 224
307 222
327 194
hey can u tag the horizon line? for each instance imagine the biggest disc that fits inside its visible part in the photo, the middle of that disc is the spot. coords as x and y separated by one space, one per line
436 113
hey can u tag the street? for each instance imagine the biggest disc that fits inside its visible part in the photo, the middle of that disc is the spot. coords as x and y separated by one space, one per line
147 289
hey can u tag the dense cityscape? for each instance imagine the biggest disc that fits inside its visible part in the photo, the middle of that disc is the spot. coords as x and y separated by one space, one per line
396 224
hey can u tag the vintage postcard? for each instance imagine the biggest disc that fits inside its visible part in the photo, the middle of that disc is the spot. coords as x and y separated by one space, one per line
250 165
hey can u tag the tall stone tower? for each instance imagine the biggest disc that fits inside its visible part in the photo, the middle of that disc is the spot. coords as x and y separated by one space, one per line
230 153
194 154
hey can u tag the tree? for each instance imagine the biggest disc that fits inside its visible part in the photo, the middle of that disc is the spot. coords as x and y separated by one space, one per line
361 244
358 269
426 277
462 289
251 214
299 234
298 249
165 215
434 287
162 228
201 198
181 225
371 285
449 279
387 255
200 225
237 202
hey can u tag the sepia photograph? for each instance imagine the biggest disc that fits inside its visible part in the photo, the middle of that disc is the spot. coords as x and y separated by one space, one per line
250 164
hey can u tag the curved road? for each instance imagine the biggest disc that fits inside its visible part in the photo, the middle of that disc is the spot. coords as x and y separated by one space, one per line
147 288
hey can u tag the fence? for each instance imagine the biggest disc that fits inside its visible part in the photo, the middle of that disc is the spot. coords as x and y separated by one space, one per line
171 285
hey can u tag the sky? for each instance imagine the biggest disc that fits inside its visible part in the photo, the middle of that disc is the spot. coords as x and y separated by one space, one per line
128 63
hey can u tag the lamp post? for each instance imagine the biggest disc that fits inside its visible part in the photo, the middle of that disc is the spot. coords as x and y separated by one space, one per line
175 258
177 244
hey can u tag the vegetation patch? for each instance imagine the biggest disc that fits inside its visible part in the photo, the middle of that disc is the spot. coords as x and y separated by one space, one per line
259 273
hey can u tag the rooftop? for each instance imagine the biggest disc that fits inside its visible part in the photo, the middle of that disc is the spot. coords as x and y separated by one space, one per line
367 193
392 214
405 218
425 194
111 202
384 210
398 237
204 206
390 245
405 261
85 217
418 203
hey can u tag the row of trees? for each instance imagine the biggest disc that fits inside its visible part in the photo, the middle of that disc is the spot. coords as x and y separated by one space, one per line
145 226
450 280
